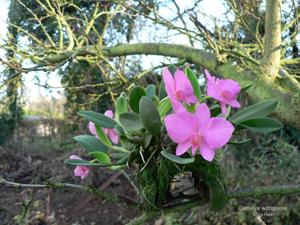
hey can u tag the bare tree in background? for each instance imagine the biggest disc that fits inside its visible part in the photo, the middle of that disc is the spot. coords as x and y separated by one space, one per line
257 44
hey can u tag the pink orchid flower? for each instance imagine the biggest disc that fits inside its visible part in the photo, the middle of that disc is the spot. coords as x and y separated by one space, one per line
198 131
111 133
224 90
178 89
80 171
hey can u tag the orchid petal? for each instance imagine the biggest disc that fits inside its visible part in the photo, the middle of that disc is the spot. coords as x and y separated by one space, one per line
190 99
223 108
176 104
92 128
168 80
194 149
109 114
182 148
207 153
209 76
229 85
182 83
234 104
113 136
203 116
180 126
81 171
218 133
213 91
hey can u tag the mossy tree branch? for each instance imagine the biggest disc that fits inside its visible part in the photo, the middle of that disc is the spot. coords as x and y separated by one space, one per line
251 192
288 109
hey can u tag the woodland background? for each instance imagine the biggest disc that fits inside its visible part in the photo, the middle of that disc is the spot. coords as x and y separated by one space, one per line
97 49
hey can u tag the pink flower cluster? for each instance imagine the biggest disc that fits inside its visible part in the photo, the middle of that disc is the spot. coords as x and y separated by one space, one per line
224 90
80 171
83 171
198 131
111 133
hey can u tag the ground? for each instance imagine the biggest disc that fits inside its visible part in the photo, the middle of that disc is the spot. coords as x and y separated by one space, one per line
266 160
58 206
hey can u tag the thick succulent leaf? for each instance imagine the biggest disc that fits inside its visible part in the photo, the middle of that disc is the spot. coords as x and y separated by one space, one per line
134 98
162 90
102 136
164 106
121 106
262 125
150 116
194 81
90 143
101 157
259 110
150 91
79 162
131 121
176 159
98 119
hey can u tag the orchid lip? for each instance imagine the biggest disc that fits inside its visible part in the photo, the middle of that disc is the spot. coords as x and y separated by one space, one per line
197 140
227 95
179 95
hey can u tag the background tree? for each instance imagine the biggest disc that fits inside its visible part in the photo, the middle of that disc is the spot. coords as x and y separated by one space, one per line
229 54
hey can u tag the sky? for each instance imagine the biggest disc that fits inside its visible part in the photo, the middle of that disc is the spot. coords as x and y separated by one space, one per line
33 91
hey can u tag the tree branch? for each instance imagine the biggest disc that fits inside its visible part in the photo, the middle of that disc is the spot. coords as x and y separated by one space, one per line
252 192
241 193
106 195
272 39
288 109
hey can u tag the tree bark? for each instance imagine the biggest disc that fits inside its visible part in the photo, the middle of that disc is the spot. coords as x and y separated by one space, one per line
272 39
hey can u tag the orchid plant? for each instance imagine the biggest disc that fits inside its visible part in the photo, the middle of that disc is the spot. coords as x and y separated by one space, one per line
161 134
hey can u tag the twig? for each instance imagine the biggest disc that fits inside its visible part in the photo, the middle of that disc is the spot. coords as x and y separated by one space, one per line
251 192
107 195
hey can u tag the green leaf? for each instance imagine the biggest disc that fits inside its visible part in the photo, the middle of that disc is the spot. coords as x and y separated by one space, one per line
163 182
150 116
101 157
134 98
90 143
150 91
215 110
172 68
98 119
120 129
177 159
245 88
210 174
121 106
123 160
162 90
194 81
102 136
164 106
261 109
131 121
262 125
147 140
239 142
217 194
79 162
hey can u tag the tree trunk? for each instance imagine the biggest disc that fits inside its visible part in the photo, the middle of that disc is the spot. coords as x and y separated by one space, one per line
272 40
